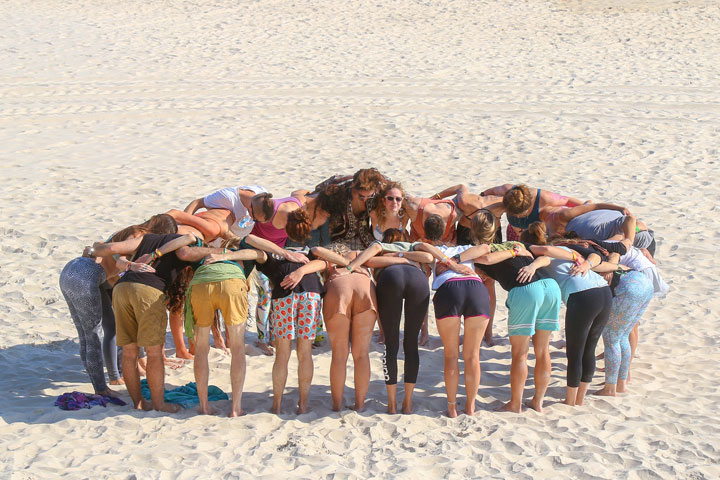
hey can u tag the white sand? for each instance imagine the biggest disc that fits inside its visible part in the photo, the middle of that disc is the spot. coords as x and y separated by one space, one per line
113 111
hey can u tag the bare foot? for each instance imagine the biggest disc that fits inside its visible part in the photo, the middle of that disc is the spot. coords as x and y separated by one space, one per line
605 392
169 408
489 341
207 411
392 407
109 393
570 404
145 405
264 348
236 413
184 354
508 407
535 405
424 339
357 408
407 406
276 409
452 409
119 381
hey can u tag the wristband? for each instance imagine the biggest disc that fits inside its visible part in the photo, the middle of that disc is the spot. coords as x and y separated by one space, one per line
445 259
437 195
225 250
127 268
637 229
514 253
158 253
349 267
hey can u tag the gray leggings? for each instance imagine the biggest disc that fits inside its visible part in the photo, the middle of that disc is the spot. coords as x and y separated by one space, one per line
91 309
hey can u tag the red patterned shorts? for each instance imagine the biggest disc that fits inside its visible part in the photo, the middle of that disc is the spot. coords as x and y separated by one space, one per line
296 316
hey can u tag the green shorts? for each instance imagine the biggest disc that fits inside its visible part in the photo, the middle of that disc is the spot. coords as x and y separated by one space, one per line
534 306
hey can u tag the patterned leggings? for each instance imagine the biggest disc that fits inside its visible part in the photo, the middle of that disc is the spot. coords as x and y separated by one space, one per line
91 310
632 297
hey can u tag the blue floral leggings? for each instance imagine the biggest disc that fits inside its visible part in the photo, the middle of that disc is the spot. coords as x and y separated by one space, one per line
632 297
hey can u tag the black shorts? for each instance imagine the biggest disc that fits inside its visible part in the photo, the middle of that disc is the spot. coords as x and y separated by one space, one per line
466 297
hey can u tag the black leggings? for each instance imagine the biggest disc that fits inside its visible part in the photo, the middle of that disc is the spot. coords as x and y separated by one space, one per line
395 284
587 314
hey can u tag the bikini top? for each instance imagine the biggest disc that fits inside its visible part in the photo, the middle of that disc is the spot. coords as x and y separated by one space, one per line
524 222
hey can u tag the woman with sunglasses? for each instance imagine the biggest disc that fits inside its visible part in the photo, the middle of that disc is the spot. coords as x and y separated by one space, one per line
390 211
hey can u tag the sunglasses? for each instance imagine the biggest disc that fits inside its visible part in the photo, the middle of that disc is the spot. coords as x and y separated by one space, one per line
395 199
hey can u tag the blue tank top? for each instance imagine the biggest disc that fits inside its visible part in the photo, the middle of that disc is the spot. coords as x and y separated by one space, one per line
524 222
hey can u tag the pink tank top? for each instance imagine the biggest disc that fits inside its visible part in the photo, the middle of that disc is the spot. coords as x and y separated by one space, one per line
267 231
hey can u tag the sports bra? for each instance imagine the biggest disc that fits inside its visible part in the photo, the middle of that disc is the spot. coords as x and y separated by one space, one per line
524 222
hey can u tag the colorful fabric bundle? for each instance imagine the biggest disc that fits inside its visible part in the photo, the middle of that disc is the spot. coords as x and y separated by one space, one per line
78 400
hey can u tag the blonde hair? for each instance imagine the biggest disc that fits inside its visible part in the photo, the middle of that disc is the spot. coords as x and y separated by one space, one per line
483 227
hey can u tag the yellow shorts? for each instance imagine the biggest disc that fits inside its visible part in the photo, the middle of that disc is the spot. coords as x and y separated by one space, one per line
229 296
140 314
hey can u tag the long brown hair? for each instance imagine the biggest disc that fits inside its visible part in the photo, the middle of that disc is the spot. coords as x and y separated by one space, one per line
380 209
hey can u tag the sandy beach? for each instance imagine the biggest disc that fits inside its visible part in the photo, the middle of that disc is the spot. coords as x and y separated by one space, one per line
111 112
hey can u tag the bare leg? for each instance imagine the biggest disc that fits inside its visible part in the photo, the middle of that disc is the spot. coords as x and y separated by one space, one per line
362 327
424 333
236 335
407 400
488 337
609 390
280 372
176 327
582 391
305 373
634 340
475 328
131 374
218 340
141 366
338 328
202 370
156 380
449 330
520 345
571 396
392 397
543 367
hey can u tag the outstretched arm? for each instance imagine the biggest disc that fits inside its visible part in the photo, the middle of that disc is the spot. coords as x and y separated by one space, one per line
270 247
556 252
450 191
330 256
370 252
567 214
502 255
195 205
442 258
238 255
171 246
499 190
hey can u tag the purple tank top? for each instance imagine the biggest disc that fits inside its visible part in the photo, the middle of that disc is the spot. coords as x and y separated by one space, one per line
268 231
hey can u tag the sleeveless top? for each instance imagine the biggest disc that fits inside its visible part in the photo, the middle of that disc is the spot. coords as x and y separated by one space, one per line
417 230
524 222
267 231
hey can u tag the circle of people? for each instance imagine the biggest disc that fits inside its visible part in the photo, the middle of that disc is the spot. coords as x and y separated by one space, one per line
356 250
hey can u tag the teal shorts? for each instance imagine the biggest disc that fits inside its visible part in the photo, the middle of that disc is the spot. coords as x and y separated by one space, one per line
534 306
